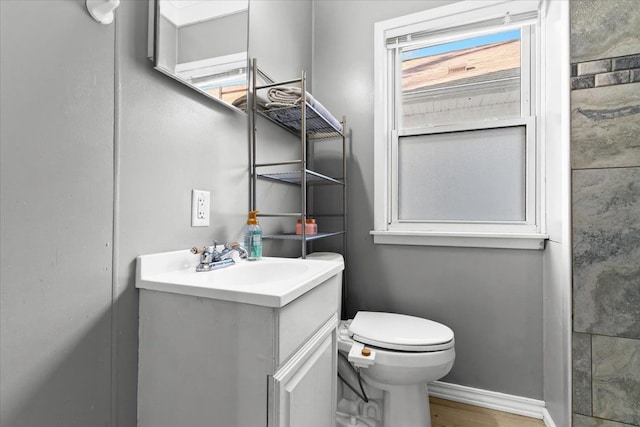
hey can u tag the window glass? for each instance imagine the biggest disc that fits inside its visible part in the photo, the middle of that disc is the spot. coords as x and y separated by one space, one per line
470 79
476 175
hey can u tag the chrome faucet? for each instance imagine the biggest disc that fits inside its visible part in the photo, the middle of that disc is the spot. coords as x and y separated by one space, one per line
211 259
229 248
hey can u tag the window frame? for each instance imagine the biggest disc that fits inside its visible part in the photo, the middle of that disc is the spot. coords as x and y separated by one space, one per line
388 229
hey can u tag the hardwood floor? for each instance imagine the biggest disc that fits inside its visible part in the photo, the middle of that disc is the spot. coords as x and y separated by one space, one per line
445 413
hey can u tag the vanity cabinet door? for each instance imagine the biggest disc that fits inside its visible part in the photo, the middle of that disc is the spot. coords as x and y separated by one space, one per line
303 391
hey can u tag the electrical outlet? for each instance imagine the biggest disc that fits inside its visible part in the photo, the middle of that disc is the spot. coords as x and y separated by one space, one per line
200 206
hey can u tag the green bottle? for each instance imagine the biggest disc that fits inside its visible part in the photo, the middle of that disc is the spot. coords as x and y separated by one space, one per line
253 237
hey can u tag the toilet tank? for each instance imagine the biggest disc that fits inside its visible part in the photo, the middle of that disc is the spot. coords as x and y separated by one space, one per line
332 256
326 256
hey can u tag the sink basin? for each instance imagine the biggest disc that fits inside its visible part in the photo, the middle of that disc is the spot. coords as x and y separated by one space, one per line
252 273
271 282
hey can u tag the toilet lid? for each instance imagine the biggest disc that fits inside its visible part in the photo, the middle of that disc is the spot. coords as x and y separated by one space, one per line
400 332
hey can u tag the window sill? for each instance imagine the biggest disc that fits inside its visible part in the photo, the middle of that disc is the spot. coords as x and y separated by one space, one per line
531 241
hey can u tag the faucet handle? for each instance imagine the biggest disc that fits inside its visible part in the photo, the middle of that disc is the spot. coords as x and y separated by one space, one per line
205 249
197 250
208 254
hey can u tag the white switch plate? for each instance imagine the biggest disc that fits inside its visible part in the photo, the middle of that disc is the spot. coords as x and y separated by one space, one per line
200 206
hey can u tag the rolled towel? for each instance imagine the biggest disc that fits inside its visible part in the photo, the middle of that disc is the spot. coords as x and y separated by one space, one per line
286 95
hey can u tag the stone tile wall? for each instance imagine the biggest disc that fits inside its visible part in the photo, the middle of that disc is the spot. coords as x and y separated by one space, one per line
605 160
605 72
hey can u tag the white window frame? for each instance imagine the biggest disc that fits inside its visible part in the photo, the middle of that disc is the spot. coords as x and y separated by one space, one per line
528 234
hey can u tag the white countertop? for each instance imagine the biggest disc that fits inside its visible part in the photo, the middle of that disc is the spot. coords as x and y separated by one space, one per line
270 282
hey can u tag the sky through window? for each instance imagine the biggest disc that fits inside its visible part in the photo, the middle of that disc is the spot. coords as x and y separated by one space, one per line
461 44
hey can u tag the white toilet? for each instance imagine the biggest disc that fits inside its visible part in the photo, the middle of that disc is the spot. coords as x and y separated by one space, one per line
398 354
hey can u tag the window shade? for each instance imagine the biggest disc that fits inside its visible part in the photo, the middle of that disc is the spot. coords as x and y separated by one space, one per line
415 36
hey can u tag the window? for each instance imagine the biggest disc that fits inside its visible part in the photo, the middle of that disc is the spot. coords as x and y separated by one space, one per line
457 153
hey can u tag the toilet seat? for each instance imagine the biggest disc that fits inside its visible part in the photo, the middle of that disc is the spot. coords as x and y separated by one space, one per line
400 332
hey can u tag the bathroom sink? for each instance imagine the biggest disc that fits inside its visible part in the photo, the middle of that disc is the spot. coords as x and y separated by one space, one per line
271 282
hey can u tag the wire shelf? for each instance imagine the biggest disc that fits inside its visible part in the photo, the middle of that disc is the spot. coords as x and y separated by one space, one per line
295 177
289 118
299 215
291 236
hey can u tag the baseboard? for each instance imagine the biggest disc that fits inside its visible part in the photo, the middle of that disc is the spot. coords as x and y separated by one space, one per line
546 417
493 400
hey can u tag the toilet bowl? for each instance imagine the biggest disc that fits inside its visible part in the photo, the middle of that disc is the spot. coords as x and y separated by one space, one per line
399 355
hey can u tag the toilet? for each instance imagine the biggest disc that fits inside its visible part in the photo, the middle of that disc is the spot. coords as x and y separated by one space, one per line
399 355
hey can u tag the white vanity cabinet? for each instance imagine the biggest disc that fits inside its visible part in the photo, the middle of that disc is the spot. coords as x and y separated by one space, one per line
222 363
300 392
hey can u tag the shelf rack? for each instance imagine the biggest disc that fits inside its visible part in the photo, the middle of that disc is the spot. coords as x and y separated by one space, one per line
306 122
317 127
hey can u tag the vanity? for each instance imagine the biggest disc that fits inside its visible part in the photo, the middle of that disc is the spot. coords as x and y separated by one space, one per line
253 344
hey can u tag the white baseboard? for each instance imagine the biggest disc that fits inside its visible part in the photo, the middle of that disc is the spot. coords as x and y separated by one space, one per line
546 417
493 400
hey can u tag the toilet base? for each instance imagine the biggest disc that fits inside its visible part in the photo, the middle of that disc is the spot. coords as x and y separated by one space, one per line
406 406
348 420
389 406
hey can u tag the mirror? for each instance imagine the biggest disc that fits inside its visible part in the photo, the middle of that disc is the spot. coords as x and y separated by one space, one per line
203 44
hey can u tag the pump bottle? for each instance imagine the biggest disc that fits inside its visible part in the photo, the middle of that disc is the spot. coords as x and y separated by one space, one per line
253 237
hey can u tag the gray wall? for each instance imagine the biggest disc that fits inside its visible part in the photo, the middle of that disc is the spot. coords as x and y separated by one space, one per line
491 298
97 168
605 154
56 215
280 37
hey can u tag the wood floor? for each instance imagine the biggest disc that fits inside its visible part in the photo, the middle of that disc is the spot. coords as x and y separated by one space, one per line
445 413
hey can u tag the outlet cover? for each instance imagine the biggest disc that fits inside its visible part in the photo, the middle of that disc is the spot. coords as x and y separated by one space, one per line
200 207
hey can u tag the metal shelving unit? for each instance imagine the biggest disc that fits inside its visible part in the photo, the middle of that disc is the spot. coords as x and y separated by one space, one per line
303 120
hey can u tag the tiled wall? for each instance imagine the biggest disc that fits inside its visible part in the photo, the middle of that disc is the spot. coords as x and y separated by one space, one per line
605 72
605 160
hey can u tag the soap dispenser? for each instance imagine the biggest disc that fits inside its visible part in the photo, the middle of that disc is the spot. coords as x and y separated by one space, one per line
253 237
